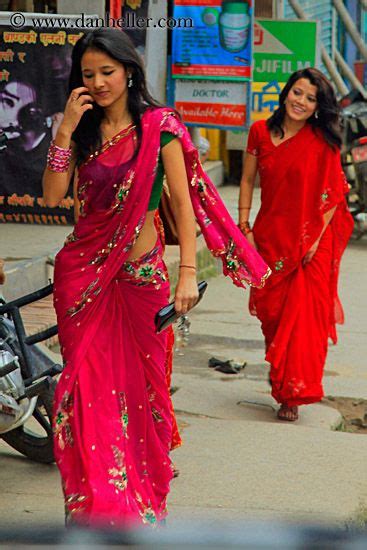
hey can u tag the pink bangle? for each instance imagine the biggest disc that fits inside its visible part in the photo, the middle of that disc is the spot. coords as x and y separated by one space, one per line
58 159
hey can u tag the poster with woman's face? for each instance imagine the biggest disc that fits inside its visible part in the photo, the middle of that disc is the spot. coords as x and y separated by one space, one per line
34 72
35 65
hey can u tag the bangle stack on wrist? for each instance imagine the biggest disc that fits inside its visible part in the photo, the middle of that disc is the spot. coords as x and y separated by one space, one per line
245 227
58 159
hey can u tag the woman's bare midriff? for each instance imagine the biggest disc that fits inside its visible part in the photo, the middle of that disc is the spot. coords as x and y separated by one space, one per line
147 238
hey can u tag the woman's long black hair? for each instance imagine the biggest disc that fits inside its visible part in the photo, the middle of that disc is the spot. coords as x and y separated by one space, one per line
327 120
116 44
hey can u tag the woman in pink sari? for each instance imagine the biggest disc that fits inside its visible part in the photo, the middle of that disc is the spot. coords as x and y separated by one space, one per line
113 421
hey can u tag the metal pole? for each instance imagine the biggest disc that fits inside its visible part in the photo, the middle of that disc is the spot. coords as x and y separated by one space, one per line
333 72
278 9
349 74
326 59
351 28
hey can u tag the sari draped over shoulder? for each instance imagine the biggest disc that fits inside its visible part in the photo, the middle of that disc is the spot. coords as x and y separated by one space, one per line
113 419
301 179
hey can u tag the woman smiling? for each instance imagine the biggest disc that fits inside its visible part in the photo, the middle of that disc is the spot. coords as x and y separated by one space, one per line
301 231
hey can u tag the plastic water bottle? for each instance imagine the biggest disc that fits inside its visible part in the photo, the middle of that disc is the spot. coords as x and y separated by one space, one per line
182 334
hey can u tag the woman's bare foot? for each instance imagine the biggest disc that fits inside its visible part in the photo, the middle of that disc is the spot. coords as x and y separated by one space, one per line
287 413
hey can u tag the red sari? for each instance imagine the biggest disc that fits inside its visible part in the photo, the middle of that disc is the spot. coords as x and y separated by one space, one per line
301 179
113 420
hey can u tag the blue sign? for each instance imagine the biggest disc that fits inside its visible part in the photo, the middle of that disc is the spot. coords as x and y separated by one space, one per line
216 44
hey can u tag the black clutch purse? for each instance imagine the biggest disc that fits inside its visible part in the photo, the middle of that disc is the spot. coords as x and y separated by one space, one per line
168 315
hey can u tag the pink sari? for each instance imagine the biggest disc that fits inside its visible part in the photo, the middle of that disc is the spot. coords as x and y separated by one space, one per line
113 417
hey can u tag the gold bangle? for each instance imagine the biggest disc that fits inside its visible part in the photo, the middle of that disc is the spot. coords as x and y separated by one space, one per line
244 208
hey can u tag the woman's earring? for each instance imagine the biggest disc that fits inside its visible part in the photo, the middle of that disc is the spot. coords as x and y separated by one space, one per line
316 114
129 81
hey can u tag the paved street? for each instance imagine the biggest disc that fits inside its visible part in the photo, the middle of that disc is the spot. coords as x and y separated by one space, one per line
237 461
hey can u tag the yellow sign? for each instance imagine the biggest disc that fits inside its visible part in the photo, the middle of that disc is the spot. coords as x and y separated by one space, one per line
265 99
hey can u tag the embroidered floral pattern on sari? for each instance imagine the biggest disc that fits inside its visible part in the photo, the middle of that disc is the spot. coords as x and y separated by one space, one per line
296 386
123 191
325 198
279 264
305 233
151 393
146 511
118 472
235 265
147 270
135 235
85 298
210 212
232 262
82 196
157 417
103 254
74 504
62 428
170 122
123 413
201 186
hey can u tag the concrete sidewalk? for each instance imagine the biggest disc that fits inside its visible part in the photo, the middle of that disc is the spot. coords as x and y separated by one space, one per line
237 461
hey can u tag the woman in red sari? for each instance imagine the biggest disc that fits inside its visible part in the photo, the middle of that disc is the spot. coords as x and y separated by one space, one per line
113 420
301 231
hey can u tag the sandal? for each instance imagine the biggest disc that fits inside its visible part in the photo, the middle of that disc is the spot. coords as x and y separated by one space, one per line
227 367
289 414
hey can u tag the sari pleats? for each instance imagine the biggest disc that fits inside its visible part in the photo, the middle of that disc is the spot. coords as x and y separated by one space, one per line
116 465
294 316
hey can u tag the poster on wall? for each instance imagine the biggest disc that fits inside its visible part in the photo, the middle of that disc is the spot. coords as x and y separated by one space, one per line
280 49
34 72
217 45
131 11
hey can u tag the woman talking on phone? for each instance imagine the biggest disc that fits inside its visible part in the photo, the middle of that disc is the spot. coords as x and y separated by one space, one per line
114 425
